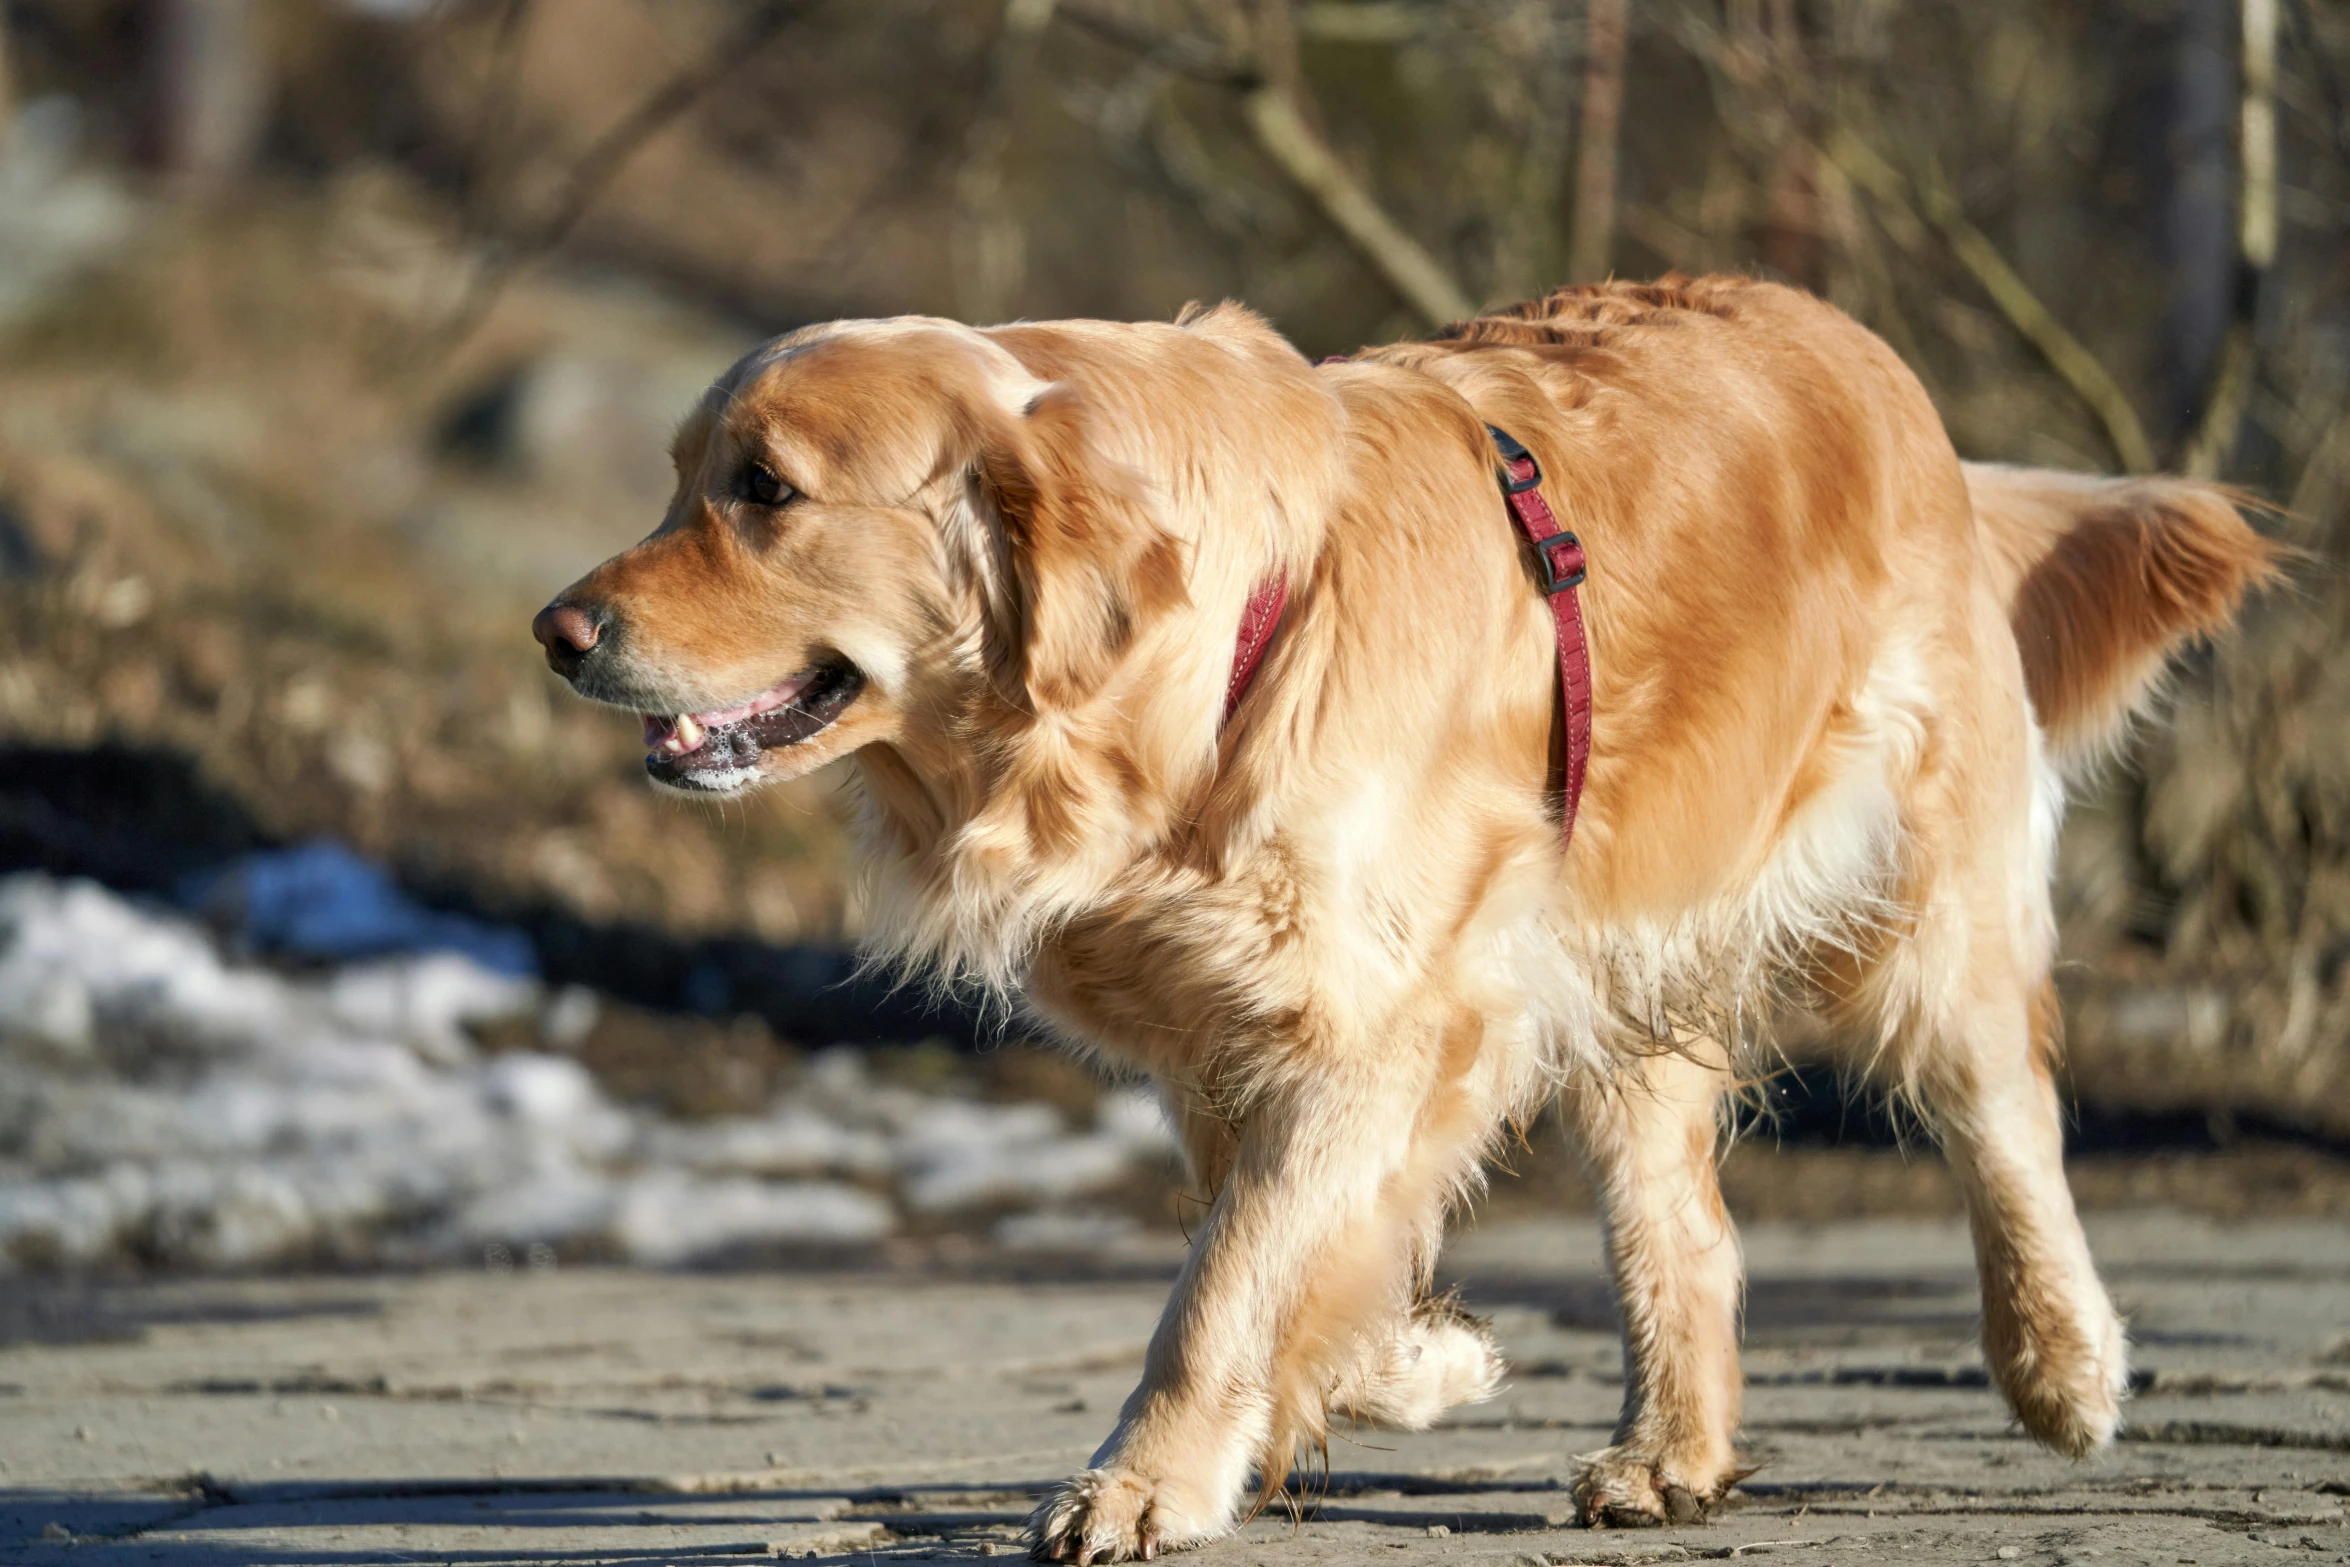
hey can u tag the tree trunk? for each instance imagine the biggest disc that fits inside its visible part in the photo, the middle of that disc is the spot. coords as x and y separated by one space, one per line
2199 211
1595 161
2229 391
7 81
207 89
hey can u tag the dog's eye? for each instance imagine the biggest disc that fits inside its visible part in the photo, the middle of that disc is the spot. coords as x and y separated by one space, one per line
765 487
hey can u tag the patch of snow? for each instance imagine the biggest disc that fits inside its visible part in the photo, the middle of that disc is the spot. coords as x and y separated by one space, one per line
1135 1118
559 1201
791 1139
958 1155
162 1102
569 1017
426 1001
57 218
668 1216
1078 1231
132 967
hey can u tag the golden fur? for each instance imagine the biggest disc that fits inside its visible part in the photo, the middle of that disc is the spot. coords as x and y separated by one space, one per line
1339 932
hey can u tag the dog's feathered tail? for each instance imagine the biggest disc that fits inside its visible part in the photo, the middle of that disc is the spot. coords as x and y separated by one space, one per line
2103 580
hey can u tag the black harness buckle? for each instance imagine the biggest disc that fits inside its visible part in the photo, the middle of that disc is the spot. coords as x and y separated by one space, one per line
1513 452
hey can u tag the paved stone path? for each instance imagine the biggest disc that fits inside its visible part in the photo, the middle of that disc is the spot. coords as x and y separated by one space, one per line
627 1417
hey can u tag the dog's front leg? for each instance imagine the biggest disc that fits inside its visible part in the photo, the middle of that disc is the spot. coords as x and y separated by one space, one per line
1294 1258
1648 1135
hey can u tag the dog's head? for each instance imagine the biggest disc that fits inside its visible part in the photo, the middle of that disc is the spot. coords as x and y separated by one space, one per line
876 526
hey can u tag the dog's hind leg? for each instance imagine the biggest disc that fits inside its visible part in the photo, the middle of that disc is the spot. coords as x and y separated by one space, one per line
1648 1134
2049 1331
1967 1015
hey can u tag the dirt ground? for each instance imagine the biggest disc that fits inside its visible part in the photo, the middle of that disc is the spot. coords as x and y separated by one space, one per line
879 1414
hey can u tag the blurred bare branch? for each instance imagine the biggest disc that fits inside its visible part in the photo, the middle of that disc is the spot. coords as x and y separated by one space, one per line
602 163
990 249
1306 159
1197 58
1271 29
7 80
2325 479
1280 109
2329 81
1930 196
1366 22
1286 137
494 121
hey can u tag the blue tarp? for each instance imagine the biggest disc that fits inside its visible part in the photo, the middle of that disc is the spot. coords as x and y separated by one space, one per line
319 900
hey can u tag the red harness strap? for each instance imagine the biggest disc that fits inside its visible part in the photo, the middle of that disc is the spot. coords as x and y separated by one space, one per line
1560 554
1257 624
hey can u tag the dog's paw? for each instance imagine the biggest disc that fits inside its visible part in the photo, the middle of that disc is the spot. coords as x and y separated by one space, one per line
1111 1515
1437 1359
2064 1368
1624 1488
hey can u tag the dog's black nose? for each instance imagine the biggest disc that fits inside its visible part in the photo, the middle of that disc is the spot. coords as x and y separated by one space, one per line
568 633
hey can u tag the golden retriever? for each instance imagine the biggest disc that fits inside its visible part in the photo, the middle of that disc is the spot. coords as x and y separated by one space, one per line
1840 680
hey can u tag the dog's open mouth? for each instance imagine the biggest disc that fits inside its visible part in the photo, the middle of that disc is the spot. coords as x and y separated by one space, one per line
719 751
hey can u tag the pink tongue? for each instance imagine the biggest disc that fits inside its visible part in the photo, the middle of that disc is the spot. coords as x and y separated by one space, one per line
765 702
661 731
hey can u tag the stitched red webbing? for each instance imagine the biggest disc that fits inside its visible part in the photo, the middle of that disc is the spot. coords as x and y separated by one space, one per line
1257 625
1560 555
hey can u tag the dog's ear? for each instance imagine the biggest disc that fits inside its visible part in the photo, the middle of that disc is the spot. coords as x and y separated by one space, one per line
1090 563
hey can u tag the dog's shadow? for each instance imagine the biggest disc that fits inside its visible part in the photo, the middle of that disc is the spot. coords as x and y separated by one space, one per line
551 1519
1801 1308
560 1519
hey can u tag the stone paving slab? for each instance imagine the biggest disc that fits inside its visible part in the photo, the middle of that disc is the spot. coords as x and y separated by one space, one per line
633 1417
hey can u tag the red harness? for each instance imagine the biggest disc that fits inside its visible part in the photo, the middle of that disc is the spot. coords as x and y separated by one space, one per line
1258 622
1560 555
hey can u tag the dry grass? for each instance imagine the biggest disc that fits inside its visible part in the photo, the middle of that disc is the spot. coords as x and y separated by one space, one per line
247 543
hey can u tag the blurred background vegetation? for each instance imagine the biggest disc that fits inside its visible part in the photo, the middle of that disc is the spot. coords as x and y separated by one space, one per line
336 334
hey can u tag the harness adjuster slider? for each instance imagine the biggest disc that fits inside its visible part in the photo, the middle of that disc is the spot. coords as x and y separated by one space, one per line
1562 562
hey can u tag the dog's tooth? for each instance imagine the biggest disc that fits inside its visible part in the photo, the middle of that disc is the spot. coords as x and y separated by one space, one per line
687 735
